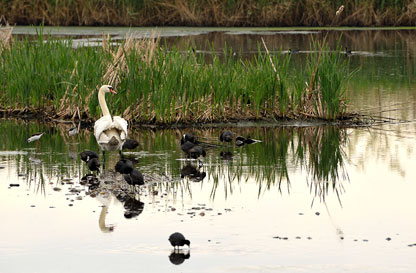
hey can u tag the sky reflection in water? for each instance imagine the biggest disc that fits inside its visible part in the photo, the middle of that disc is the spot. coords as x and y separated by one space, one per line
335 194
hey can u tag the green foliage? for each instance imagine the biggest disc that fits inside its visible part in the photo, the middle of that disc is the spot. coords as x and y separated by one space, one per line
173 85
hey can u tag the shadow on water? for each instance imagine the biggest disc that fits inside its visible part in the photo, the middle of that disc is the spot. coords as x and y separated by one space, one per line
284 151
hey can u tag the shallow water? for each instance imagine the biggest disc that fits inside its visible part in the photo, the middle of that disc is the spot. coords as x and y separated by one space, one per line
312 199
305 199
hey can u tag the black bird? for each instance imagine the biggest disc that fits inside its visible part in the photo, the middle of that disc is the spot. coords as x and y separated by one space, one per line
134 178
348 51
226 136
130 144
190 137
87 155
124 166
226 155
94 164
177 239
196 152
293 51
239 141
186 146
178 258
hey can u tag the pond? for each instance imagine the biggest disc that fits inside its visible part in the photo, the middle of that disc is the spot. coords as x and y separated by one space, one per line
304 199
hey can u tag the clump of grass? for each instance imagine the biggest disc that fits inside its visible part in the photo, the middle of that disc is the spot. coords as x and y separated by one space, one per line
166 86
5 34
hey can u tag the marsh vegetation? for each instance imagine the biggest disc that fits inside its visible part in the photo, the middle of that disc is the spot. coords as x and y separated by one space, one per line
209 13
170 85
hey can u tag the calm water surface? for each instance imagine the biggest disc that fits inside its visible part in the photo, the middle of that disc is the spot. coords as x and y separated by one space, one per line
305 199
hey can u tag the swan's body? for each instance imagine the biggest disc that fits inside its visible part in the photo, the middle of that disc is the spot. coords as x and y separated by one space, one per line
110 132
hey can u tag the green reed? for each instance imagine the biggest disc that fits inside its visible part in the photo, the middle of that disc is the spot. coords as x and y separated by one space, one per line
167 86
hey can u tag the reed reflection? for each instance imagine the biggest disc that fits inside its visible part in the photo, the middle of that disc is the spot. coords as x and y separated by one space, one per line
282 152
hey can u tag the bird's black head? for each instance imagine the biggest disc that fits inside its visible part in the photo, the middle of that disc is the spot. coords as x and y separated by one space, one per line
187 242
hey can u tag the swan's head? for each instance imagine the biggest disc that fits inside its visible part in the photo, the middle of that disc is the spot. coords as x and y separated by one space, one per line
107 88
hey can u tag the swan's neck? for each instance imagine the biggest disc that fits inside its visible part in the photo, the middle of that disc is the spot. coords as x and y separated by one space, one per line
103 104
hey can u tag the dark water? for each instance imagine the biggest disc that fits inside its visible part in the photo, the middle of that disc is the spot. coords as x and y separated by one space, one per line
305 199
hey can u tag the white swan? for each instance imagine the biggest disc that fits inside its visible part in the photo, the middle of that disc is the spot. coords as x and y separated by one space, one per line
110 132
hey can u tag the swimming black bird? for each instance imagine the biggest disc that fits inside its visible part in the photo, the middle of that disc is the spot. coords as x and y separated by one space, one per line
226 136
134 178
177 239
130 144
94 164
87 155
124 166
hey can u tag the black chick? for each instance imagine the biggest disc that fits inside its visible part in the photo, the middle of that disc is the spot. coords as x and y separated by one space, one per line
226 136
177 239
130 144
94 164
124 166
134 178
87 155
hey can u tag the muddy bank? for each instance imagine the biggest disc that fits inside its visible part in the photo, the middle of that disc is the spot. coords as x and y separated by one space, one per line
349 120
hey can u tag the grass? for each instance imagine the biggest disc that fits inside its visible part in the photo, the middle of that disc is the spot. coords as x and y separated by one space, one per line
209 13
161 85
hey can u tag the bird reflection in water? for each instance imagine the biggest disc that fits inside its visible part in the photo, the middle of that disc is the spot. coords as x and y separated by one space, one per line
105 199
193 173
133 207
177 257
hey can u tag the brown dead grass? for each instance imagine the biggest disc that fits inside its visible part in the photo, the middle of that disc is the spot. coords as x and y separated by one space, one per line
207 13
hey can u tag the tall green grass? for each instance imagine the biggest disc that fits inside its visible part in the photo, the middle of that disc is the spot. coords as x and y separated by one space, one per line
168 85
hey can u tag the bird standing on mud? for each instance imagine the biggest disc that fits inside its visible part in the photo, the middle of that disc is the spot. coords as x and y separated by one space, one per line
177 239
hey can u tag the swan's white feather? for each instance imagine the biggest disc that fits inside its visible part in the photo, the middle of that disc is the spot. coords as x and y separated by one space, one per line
106 127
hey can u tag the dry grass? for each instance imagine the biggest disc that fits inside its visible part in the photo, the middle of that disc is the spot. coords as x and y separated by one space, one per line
210 12
5 34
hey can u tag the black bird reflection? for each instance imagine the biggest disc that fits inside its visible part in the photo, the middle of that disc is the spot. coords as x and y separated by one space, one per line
193 173
133 207
178 257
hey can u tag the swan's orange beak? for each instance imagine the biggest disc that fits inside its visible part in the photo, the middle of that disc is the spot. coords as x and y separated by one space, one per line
113 91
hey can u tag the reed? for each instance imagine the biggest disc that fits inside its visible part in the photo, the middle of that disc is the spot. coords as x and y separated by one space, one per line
161 85
209 13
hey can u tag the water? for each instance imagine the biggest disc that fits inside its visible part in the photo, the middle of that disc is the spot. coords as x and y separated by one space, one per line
305 199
